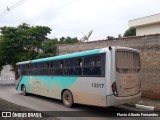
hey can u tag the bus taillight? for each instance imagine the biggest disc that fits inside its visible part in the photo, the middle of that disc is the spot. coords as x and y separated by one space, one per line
114 89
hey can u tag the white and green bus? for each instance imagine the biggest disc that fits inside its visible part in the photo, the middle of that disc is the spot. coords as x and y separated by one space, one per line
101 77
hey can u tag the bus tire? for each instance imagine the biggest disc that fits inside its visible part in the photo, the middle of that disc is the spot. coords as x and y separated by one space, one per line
24 92
67 98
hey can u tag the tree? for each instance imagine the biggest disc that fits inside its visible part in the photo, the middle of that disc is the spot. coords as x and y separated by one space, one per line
130 32
49 48
67 40
21 43
26 42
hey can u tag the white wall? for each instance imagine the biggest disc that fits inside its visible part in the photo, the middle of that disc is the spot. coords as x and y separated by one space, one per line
144 21
7 76
148 29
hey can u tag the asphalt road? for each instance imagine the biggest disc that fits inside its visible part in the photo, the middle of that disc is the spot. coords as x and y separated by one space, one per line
40 103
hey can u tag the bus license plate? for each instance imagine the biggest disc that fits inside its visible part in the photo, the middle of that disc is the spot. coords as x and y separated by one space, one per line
129 89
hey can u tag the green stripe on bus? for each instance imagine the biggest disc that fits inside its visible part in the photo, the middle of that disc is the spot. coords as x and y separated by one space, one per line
49 82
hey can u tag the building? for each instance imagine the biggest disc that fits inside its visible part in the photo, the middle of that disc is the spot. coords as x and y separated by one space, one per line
146 25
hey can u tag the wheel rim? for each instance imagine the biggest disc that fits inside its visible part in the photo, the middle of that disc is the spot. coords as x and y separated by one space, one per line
23 90
67 99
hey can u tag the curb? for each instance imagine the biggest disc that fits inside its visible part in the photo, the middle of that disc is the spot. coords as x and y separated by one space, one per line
151 108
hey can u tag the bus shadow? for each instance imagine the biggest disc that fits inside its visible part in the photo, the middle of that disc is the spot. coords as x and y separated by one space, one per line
78 110
48 99
81 107
97 108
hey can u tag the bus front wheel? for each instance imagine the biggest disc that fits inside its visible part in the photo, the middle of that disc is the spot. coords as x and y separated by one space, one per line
24 92
67 98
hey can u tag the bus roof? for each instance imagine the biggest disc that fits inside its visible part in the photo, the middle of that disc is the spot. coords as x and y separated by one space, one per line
77 54
24 62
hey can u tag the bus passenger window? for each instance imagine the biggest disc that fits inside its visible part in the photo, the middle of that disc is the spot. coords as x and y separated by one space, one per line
56 64
51 65
93 65
87 71
78 62
35 65
30 72
97 60
47 65
59 71
69 71
78 71
18 72
97 70
81 64
62 64
69 62
88 61
24 72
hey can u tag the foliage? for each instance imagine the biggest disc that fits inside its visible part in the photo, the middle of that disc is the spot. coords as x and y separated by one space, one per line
21 43
130 32
49 48
27 42
67 40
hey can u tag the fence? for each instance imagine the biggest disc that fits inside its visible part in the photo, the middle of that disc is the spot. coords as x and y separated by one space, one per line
7 80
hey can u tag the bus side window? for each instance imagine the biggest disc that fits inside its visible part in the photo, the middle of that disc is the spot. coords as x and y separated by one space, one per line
31 66
57 68
68 67
97 64
18 72
51 64
62 64
78 66
87 65
56 64
92 65
35 66
78 71
69 62
41 65
88 61
47 64
81 64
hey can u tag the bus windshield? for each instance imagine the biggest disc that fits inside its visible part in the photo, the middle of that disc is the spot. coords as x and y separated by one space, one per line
127 61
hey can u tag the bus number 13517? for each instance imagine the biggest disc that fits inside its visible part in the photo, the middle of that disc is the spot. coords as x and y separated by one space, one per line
97 85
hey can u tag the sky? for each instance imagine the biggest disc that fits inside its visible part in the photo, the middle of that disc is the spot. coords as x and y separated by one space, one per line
75 18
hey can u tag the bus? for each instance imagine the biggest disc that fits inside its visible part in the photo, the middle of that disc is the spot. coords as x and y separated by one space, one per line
100 77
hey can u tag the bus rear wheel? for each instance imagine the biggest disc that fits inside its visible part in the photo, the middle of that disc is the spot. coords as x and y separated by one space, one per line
67 98
24 92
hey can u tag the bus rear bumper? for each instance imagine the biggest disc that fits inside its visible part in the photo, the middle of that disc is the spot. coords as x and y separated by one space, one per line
112 100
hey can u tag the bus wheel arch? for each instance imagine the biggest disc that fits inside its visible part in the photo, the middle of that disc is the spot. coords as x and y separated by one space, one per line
24 90
67 98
